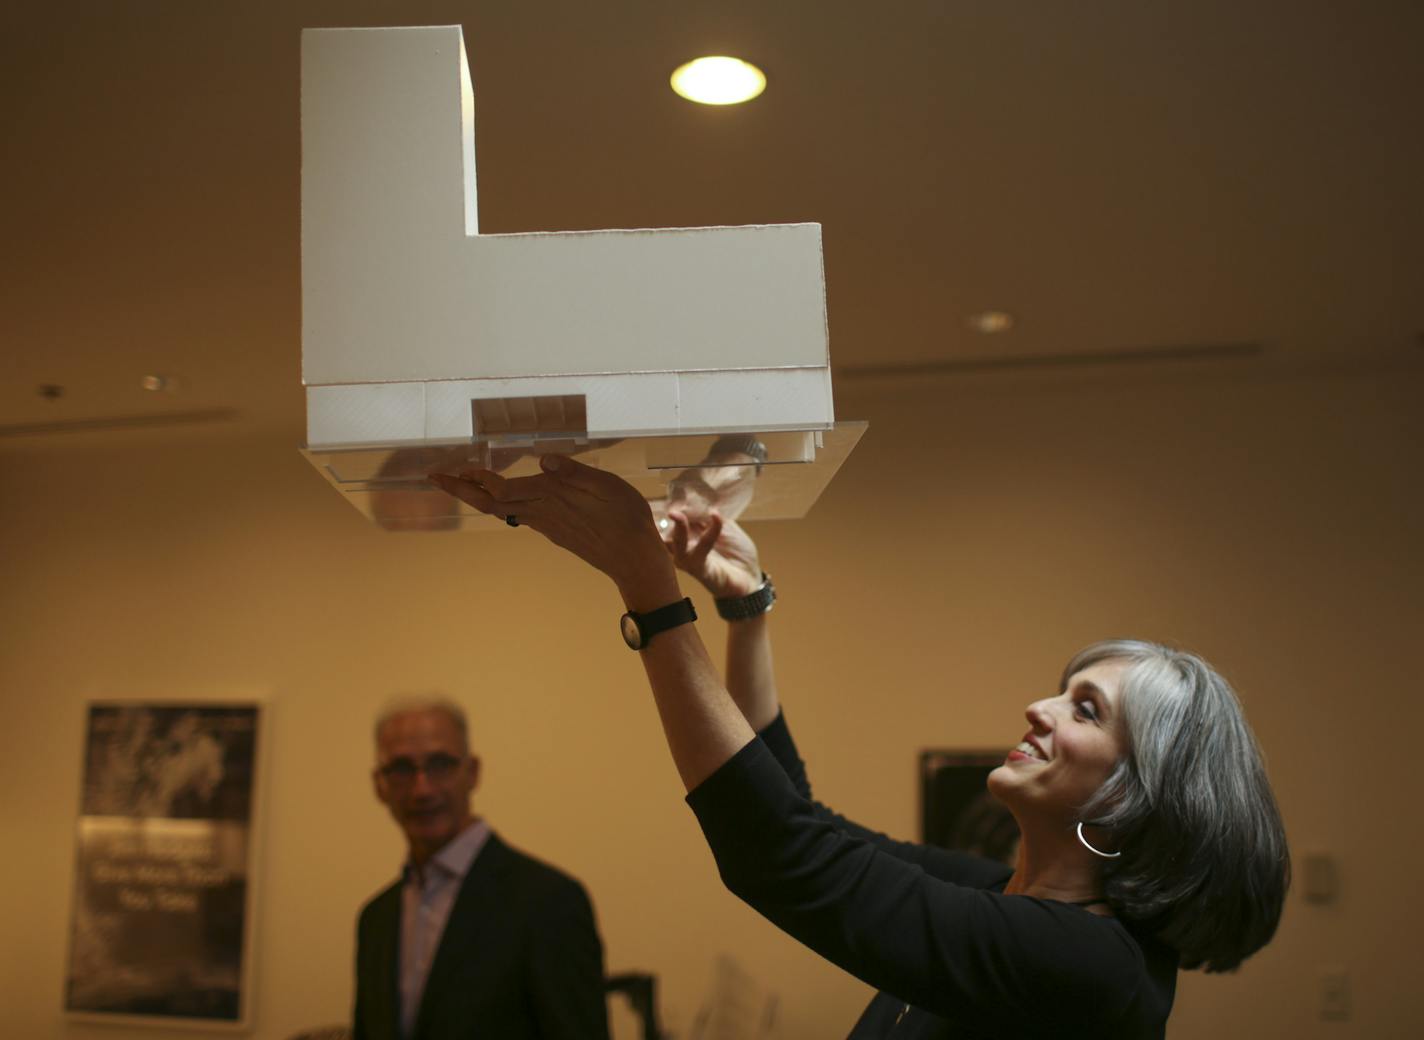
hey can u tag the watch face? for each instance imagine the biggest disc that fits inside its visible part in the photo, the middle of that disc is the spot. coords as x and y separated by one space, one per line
632 634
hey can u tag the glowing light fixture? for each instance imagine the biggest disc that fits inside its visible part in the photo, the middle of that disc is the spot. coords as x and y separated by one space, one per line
718 80
991 322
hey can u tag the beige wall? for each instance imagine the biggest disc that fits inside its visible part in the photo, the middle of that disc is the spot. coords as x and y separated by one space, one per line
985 529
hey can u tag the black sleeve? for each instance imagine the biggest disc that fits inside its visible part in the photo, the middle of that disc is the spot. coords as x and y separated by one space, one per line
987 960
777 738
566 968
944 864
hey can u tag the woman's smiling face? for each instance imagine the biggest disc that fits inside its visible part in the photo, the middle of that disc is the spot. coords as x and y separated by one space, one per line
1074 741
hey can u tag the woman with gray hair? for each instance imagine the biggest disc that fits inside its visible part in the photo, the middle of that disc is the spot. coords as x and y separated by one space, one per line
1150 839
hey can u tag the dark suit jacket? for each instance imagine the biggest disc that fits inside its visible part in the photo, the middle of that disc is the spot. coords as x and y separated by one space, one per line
520 957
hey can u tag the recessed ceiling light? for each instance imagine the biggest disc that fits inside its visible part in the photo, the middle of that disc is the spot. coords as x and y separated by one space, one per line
990 322
158 384
718 80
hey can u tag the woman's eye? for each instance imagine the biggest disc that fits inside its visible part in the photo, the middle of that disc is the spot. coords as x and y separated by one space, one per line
1087 710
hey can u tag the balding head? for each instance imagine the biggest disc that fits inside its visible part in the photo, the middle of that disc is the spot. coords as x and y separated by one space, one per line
420 703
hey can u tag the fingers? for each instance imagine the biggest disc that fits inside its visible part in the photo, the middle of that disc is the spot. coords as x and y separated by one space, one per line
583 509
677 540
490 493
561 475
539 502
568 471
496 496
510 490
691 552
605 534
465 489
706 543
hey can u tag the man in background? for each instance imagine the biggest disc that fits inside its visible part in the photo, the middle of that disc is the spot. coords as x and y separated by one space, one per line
475 938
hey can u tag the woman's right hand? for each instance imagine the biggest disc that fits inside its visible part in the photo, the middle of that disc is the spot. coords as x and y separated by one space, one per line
717 552
596 515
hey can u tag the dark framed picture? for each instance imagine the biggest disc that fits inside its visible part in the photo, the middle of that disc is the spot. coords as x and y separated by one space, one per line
956 809
161 922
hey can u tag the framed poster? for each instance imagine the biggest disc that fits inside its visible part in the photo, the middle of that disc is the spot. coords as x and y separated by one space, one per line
956 809
161 927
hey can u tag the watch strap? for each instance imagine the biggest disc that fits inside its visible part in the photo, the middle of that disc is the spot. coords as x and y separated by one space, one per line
639 629
744 608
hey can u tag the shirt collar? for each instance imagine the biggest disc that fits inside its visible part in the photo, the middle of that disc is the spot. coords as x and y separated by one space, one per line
459 852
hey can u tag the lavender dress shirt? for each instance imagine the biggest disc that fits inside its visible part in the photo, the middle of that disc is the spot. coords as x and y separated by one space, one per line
426 898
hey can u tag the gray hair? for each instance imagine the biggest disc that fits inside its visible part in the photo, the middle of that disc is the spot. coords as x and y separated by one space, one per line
1204 860
414 703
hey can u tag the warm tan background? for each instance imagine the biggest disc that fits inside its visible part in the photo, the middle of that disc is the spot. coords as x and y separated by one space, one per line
982 532
1125 177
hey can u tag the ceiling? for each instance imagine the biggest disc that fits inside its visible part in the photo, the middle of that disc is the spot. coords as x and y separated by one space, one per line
1123 177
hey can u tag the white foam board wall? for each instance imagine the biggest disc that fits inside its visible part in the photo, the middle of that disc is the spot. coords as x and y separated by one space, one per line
398 287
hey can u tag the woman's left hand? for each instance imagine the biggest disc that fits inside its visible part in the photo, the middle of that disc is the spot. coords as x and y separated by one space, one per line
717 552
597 516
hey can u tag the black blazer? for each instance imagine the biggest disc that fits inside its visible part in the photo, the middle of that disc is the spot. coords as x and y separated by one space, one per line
520 957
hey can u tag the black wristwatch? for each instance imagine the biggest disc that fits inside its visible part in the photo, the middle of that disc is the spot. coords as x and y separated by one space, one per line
744 608
639 629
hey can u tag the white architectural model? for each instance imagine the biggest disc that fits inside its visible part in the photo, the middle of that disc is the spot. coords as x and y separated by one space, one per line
417 331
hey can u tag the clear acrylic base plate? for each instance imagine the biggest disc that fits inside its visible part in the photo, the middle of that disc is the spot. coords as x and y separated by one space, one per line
761 474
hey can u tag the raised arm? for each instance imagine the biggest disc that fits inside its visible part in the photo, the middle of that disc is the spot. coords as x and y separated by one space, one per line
723 558
605 522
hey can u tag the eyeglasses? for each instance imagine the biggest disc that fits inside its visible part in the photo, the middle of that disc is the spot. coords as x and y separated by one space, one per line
437 768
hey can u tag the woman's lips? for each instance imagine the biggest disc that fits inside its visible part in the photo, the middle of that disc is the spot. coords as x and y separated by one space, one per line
1027 750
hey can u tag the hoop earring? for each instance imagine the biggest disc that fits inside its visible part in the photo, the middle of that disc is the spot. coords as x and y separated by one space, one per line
1095 852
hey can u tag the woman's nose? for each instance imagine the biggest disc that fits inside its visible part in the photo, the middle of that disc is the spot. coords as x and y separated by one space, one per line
1037 714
